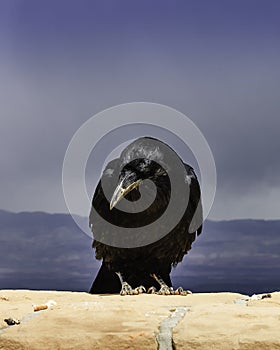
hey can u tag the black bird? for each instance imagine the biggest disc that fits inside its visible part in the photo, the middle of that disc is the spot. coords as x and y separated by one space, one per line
130 235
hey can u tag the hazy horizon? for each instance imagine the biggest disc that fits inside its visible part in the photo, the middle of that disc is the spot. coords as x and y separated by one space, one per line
44 251
86 216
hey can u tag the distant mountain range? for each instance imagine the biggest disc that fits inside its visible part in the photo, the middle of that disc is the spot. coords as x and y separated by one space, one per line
48 251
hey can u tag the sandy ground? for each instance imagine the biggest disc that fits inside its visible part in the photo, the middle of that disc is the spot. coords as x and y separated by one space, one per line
82 321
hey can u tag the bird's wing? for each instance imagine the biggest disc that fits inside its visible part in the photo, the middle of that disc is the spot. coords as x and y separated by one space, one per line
195 205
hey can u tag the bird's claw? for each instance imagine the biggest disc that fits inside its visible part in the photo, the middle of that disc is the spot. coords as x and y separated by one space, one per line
127 290
165 290
181 291
140 290
152 290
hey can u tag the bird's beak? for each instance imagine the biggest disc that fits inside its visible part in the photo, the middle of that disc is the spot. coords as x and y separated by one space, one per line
122 191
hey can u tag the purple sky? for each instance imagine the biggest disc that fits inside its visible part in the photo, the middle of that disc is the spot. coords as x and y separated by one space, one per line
216 61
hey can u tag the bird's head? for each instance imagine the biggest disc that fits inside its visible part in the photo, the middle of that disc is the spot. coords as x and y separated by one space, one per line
131 176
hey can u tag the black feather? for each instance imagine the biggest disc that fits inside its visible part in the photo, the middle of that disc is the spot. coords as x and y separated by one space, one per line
148 158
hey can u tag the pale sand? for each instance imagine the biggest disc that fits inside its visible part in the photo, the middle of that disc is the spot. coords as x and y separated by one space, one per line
83 321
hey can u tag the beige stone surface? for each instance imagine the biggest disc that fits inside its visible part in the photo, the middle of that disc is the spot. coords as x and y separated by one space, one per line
83 321
216 322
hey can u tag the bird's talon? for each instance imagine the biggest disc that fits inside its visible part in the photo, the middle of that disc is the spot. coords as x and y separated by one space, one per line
140 290
181 291
126 289
152 290
164 290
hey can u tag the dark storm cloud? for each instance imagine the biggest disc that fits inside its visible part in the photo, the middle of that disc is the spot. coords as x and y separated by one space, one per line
217 63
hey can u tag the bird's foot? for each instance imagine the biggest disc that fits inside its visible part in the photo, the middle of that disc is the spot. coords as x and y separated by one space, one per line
140 290
128 290
152 290
181 291
165 290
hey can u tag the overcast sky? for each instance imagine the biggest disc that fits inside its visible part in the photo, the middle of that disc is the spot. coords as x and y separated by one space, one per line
216 61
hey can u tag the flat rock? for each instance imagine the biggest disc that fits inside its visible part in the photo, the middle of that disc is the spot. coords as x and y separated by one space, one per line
83 321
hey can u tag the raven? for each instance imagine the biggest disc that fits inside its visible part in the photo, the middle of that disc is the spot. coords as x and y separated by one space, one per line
135 257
